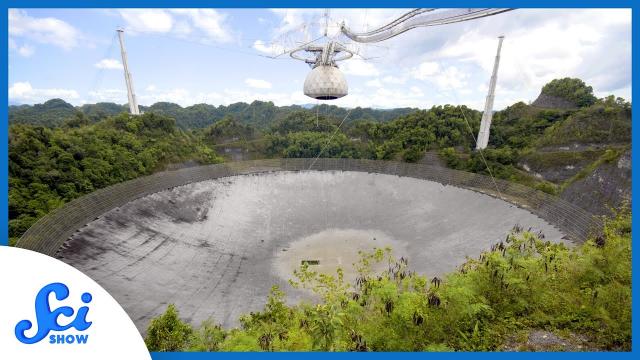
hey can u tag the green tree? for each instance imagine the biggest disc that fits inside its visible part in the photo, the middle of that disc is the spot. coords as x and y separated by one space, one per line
572 89
167 332
50 166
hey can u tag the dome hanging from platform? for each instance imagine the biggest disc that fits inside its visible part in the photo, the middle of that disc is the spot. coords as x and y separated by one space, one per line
325 82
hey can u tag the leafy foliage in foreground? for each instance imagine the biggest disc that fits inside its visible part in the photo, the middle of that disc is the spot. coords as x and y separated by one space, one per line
48 167
522 283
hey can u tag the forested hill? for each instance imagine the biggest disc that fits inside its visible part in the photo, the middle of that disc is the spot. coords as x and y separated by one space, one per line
580 152
259 114
51 166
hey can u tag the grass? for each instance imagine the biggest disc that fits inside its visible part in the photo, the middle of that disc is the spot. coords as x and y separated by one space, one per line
608 156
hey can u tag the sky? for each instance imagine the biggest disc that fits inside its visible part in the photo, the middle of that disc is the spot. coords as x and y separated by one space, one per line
223 56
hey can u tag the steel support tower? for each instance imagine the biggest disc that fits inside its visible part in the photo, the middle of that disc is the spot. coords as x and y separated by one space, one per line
133 103
487 115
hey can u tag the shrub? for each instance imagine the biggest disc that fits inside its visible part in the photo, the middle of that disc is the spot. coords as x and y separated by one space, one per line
167 332
522 282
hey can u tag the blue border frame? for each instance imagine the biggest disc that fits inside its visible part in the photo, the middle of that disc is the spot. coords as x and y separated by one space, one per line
326 3
336 4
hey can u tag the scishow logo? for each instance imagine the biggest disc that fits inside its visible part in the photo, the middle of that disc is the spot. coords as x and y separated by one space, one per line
48 320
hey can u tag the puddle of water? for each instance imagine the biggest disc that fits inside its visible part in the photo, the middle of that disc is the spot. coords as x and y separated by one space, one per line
335 248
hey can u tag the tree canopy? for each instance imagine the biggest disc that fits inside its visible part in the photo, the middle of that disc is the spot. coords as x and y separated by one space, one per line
48 167
259 114
571 89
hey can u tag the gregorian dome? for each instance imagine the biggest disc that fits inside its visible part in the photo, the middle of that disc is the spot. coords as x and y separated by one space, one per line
325 82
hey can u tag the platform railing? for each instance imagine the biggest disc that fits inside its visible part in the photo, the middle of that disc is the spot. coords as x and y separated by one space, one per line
50 232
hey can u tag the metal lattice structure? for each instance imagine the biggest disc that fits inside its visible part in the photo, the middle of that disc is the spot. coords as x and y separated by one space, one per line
49 234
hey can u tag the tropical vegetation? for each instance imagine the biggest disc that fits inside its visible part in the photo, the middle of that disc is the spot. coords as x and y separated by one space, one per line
521 284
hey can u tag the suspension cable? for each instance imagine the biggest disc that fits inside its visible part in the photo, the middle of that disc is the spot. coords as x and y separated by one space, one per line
330 138
484 160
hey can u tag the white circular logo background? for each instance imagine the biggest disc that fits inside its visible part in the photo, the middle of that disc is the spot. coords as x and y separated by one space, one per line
111 335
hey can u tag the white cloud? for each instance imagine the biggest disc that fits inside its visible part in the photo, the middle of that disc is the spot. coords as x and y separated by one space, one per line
48 30
257 83
150 95
178 95
26 50
426 70
272 49
544 44
293 19
394 80
451 78
203 24
416 91
118 96
182 28
374 83
358 67
110 64
23 92
209 21
147 20
311 21
448 78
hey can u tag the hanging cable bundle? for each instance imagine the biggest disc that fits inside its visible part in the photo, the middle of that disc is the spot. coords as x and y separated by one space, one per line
419 18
